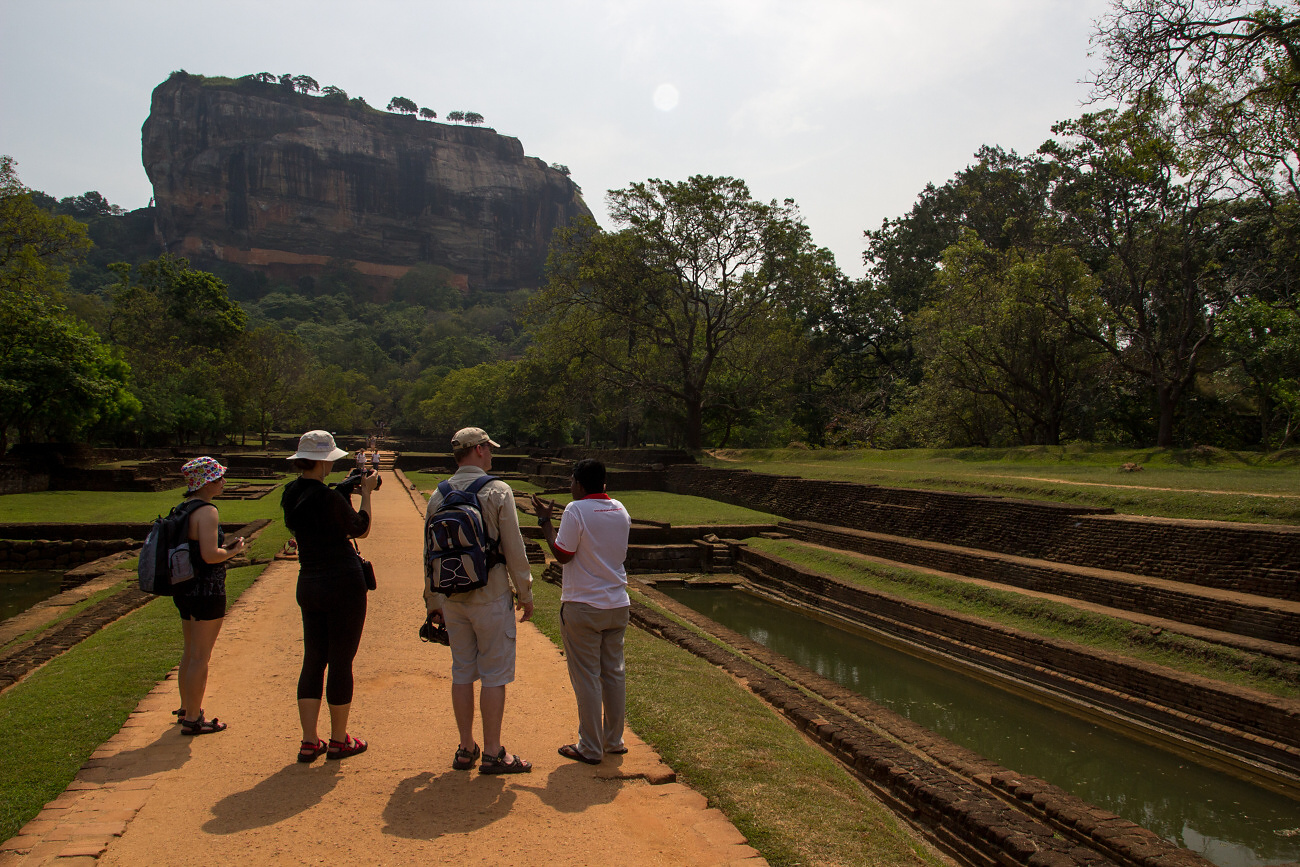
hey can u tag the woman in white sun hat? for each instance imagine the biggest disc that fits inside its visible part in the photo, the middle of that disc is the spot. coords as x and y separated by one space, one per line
201 601
331 591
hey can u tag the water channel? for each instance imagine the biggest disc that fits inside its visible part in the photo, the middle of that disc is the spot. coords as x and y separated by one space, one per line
1229 820
21 590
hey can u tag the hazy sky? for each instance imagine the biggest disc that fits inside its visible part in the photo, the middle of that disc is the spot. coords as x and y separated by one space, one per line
849 107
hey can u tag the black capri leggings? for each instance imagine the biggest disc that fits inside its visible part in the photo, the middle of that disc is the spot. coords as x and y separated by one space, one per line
330 637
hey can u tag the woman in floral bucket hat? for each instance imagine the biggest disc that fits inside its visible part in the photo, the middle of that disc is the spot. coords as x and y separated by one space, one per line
331 591
202 600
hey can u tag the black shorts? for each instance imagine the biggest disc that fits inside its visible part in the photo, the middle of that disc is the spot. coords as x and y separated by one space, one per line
200 607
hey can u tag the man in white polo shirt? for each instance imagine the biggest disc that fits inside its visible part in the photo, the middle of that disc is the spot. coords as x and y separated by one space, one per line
591 545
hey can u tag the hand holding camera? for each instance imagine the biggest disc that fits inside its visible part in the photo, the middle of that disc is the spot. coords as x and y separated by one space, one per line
357 478
433 631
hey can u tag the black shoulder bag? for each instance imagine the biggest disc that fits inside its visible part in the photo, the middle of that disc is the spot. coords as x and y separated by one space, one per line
367 568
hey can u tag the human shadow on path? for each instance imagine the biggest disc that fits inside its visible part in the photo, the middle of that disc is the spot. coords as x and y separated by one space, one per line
572 788
288 792
426 805
167 752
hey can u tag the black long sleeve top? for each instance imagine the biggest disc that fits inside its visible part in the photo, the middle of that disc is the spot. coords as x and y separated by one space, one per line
323 521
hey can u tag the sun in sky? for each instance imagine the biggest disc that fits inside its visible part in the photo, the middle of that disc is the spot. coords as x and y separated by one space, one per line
665 97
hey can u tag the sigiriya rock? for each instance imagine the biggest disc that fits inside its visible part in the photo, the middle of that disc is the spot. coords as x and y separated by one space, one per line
259 175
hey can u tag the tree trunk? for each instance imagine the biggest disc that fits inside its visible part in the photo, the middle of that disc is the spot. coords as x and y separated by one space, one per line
694 423
1165 405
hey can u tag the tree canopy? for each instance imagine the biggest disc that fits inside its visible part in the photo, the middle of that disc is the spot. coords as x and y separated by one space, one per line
403 105
700 275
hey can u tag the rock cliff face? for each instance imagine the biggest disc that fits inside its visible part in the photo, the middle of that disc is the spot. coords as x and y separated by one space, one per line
258 175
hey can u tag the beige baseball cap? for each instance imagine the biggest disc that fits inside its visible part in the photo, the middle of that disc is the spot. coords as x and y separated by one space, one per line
468 437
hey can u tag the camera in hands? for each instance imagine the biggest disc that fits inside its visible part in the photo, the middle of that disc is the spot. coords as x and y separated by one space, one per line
349 485
434 632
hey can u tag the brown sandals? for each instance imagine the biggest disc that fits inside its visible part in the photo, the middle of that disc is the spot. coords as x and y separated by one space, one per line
498 765
202 726
464 759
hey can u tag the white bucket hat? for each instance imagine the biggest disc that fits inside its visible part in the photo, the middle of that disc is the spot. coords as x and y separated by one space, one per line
317 445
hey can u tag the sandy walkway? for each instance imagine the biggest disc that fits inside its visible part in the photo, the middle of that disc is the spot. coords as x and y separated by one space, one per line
152 796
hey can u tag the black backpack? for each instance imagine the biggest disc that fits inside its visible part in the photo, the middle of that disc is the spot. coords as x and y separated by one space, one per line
457 549
165 558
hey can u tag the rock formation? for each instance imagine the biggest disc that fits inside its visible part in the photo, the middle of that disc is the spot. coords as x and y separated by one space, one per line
258 175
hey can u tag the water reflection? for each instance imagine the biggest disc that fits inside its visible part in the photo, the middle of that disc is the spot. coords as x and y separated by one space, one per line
1227 820
21 590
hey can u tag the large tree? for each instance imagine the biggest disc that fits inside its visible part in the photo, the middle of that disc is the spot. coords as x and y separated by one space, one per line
1230 68
990 333
265 379
698 270
1002 198
36 247
173 323
1144 222
56 377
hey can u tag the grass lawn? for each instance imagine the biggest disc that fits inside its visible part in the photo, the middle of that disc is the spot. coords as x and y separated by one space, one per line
1047 618
790 800
1201 483
676 509
110 507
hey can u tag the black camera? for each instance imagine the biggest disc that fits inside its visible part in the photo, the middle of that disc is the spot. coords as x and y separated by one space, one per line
434 633
348 486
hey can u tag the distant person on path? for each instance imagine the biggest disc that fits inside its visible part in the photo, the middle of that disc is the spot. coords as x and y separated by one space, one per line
591 546
202 600
480 623
331 590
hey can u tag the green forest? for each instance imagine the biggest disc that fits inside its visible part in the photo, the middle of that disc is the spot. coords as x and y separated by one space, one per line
1132 281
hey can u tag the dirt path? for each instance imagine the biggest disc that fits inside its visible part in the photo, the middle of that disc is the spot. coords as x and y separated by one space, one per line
152 796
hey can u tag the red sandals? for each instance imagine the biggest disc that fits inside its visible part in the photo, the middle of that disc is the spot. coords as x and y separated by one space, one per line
349 746
310 752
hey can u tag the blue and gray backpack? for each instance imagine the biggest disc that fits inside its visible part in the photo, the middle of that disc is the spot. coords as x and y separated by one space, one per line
457 549
165 558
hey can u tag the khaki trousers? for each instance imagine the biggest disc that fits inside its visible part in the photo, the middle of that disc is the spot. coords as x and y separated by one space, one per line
593 648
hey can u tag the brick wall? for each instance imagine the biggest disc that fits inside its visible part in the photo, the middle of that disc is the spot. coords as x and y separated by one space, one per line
1248 558
1157 597
20 480
25 554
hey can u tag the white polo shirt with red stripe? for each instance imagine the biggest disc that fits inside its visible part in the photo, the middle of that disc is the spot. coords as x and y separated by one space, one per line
595 530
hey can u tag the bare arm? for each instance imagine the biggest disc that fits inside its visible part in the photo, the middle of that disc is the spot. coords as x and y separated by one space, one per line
544 510
512 548
204 524
368 483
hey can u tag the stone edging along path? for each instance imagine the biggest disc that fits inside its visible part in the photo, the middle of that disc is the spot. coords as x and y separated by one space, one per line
974 809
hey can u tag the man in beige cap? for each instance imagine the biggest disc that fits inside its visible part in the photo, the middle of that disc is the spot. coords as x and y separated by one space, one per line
481 623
